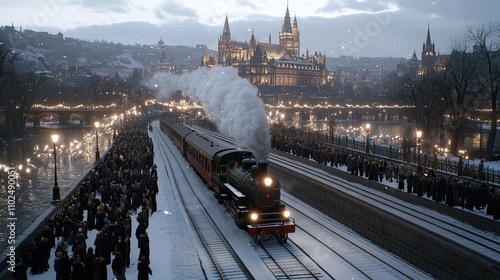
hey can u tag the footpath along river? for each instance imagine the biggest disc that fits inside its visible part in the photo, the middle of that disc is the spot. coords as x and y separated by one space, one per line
33 160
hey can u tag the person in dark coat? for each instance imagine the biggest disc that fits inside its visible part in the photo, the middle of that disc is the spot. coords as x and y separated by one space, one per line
88 262
122 247
36 251
57 265
141 228
101 271
144 246
143 270
20 270
78 272
65 266
118 266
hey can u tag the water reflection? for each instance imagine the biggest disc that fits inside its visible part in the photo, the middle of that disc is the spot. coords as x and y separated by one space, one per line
392 133
34 162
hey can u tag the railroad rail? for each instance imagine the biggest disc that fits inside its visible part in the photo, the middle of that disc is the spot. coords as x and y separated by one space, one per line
366 261
226 264
436 243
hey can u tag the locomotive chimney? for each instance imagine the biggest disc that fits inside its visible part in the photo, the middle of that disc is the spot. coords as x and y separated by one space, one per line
262 168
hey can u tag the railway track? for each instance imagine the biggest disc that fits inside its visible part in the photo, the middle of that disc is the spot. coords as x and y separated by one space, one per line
226 264
450 241
345 246
474 240
288 261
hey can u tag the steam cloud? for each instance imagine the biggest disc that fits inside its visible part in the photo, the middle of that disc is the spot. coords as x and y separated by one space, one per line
233 101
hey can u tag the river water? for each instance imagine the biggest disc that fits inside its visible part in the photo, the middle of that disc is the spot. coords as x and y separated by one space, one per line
34 162
391 133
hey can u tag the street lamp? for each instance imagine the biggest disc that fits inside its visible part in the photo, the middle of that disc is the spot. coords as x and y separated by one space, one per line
367 138
419 138
56 194
121 122
97 156
115 117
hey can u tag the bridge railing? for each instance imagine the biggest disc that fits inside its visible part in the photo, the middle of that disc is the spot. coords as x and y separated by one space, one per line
451 165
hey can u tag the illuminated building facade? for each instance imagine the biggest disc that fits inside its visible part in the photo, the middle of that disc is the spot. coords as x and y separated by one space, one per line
268 65
431 62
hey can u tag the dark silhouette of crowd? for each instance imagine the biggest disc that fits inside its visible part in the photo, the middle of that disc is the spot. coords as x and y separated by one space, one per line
122 184
441 188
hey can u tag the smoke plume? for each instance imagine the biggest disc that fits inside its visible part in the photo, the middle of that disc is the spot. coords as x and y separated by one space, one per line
233 101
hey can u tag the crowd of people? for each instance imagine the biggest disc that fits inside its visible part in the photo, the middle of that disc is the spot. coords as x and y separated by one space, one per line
121 186
441 188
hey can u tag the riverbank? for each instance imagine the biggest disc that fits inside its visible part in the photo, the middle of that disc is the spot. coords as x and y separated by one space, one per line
14 249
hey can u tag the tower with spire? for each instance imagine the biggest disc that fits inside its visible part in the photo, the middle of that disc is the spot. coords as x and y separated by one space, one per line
225 44
289 36
266 64
428 55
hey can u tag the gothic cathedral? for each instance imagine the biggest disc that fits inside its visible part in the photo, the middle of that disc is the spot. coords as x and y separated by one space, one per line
268 65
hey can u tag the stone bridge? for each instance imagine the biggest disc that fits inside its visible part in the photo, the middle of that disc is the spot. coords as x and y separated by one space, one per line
64 116
341 112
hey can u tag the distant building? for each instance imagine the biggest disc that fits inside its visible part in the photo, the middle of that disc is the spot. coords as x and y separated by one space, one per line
429 57
163 65
269 65
431 61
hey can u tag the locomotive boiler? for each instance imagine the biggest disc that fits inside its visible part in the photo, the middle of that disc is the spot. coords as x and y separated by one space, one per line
258 208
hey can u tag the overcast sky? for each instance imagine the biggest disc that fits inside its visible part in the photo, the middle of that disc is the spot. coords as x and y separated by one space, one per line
338 27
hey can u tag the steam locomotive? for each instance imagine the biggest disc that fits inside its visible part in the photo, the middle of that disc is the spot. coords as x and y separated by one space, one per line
237 180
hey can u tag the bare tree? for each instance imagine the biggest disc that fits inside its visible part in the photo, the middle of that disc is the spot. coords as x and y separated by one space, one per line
20 94
462 97
94 86
424 94
7 60
486 40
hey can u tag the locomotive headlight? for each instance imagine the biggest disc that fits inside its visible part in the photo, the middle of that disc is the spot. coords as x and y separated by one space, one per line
254 217
268 182
286 214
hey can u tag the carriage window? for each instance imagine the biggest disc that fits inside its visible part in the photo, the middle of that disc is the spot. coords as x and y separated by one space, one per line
223 169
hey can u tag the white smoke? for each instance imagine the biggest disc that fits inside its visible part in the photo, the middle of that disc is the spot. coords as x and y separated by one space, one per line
238 111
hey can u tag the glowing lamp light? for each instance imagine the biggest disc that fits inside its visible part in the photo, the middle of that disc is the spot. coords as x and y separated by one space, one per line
254 217
419 134
268 181
286 214
55 138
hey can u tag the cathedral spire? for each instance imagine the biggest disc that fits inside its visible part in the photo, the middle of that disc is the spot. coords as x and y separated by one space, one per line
428 41
287 24
226 33
414 56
